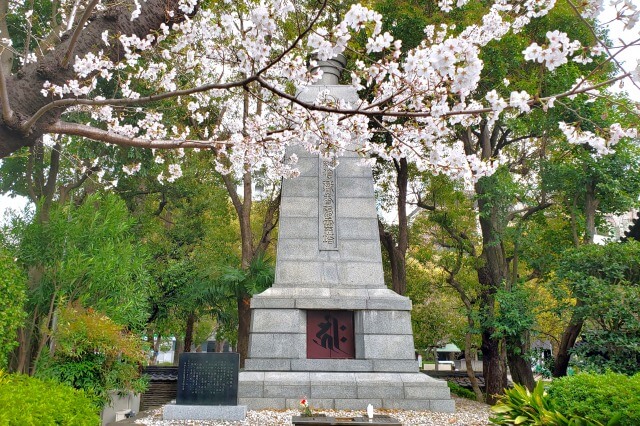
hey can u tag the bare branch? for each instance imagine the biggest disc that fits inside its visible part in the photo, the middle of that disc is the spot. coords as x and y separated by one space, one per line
423 205
74 129
528 211
65 190
79 27
610 56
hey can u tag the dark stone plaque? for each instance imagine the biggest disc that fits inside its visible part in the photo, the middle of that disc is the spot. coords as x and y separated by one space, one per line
330 334
208 378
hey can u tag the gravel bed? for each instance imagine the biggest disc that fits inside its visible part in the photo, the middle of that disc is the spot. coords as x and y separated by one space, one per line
468 413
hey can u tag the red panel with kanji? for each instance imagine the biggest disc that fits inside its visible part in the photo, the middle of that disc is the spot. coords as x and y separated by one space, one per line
330 335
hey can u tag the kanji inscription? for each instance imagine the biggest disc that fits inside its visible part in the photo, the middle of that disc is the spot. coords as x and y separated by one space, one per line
208 379
327 213
330 334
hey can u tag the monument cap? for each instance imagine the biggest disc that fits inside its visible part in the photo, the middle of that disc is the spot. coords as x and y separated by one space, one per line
331 69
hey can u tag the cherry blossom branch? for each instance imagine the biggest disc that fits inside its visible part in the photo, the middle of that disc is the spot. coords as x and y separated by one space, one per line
79 27
27 42
610 56
367 112
74 129
176 93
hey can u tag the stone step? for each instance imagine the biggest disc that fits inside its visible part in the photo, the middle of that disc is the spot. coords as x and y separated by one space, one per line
280 390
437 405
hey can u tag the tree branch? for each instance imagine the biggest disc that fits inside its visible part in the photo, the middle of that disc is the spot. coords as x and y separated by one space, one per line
76 33
5 56
610 56
385 237
29 176
383 112
74 129
270 221
66 189
61 103
7 112
423 205
528 211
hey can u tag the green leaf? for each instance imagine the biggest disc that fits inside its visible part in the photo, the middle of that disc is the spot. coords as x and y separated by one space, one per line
520 420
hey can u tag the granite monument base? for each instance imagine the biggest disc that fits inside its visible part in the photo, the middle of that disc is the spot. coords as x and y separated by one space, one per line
204 412
343 391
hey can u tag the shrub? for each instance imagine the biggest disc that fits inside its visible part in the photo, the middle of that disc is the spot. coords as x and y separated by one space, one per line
27 401
461 391
599 396
95 354
519 406
13 285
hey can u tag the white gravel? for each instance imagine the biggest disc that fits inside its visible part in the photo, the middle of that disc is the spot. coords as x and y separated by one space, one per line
468 413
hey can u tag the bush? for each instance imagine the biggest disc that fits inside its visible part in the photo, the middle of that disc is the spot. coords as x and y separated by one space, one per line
518 406
599 396
27 401
13 285
95 354
461 391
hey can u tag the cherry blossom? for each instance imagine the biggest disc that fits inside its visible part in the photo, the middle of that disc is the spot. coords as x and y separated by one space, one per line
231 73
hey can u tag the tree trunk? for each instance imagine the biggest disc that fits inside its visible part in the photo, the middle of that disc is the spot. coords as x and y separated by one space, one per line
590 208
397 259
493 273
178 351
569 337
22 354
23 88
244 322
492 370
519 366
188 332
469 365
397 251
155 343
572 331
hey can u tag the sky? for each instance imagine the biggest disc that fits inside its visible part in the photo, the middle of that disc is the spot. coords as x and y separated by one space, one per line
630 56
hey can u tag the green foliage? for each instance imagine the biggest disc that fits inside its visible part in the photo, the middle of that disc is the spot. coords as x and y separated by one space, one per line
516 313
94 354
247 282
460 391
601 397
189 232
606 281
28 401
86 253
12 298
519 406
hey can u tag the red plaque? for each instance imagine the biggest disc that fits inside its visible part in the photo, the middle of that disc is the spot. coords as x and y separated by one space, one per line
330 335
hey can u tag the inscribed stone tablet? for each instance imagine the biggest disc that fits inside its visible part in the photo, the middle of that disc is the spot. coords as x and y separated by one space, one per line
208 379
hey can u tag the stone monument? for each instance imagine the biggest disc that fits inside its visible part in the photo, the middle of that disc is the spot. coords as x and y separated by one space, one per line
207 388
329 329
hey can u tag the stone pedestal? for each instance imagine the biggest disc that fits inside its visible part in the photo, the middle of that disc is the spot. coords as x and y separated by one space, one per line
204 412
329 258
